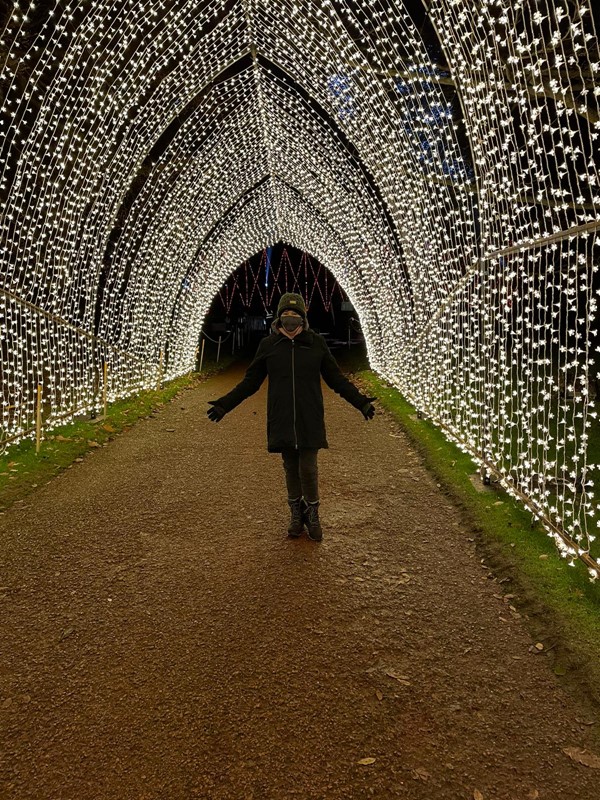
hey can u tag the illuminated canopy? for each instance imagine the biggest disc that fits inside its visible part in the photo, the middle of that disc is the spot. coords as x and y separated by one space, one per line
149 148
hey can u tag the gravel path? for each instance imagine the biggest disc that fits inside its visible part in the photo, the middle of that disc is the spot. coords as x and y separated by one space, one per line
162 639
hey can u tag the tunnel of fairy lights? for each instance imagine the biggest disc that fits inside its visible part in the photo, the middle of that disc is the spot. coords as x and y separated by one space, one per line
439 158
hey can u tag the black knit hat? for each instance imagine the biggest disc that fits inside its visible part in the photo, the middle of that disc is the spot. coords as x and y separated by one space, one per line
291 302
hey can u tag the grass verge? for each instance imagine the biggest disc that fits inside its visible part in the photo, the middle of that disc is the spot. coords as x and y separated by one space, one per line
558 603
22 470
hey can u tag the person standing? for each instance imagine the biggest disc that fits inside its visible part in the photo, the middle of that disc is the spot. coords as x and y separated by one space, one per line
295 357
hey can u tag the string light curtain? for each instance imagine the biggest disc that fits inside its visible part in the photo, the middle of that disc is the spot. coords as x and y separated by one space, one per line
528 77
149 148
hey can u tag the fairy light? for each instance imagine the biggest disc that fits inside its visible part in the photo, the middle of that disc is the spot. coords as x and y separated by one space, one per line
285 279
148 148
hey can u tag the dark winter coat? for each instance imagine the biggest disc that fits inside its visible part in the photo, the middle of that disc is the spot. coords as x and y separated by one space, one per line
295 416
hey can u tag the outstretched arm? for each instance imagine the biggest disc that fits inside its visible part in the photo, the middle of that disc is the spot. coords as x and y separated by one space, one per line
250 383
336 380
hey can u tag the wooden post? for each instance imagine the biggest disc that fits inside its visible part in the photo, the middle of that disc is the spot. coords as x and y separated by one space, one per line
348 334
104 386
233 335
219 349
160 371
38 419
196 357
202 354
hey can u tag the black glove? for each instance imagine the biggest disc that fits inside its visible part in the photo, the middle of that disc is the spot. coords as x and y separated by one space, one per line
216 413
368 410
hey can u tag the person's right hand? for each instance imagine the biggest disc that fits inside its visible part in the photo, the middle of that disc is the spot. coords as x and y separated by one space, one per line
368 410
216 413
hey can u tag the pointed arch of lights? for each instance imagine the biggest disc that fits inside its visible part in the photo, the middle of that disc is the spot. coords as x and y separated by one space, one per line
150 148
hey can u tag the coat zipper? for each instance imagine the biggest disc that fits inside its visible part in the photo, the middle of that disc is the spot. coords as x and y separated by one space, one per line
294 392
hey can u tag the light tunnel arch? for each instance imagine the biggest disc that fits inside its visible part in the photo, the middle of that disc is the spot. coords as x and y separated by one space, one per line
273 166
482 254
256 227
358 218
126 154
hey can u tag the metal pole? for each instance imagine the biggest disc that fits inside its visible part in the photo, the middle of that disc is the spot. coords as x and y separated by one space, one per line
160 369
38 419
202 355
219 349
105 387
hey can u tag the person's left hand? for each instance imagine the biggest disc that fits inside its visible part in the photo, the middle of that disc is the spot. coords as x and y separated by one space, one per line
216 413
368 410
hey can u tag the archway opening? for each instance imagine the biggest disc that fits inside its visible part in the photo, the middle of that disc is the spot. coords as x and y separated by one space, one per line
245 306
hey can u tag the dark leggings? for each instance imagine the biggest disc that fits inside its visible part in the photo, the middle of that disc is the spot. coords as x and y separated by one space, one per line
301 473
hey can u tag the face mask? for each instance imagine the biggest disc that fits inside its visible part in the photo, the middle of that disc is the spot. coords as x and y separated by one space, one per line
290 323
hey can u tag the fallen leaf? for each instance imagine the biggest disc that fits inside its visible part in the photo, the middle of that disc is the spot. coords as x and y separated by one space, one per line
92 443
477 795
533 795
366 761
583 757
170 430
108 428
420 774
400 678
67 632
379 695
539 646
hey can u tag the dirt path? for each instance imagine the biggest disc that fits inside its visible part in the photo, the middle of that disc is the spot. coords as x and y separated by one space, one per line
161 638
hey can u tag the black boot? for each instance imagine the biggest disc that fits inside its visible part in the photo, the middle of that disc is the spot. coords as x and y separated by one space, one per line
296 525
310 516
